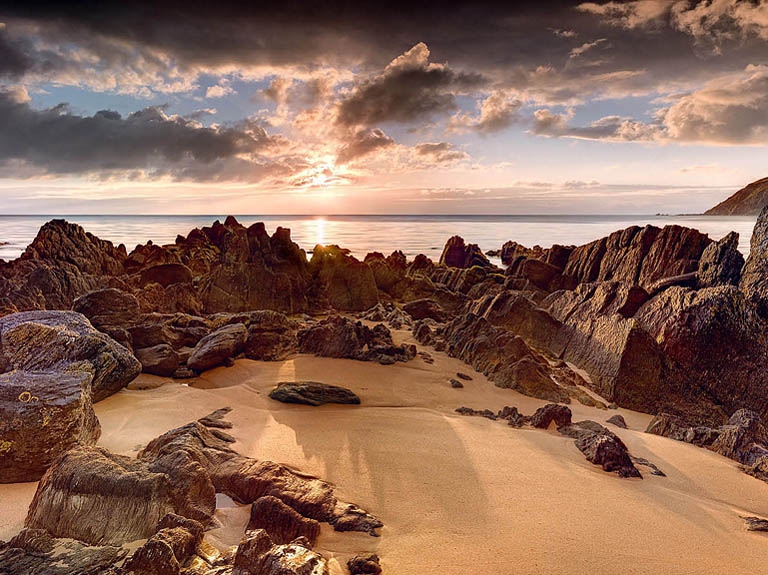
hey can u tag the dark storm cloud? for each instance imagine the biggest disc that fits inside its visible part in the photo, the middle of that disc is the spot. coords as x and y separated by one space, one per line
362 143
409 89
57 141
13 61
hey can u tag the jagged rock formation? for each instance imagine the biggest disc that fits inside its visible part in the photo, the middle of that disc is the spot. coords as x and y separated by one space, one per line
348 284
340 337
92 501
312 393
721 263
754 277
457 254
748 201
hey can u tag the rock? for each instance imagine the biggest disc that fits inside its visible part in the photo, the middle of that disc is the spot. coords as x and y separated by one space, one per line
602 447
743 438
714 346
463 376
601 336
531 377
160 360
257 556
425 308
618 421
43 415
754 276
36 552
721 263
674 427
638 256
456 254
100 498
456 384
510 251
215 348
174 543
312 393
108 307
281 522
49 341
165 274
245 480
348 284
365 564
271 336
756 523
685 280
338 336
487 413
545 416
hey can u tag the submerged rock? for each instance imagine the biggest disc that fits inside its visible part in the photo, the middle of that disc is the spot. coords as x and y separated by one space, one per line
312 393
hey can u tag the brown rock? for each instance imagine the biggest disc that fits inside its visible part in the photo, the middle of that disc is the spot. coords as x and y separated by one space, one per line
457 254
165 274
545 416
160 359
364 564
108 307
312 393
348 284
602 447
281 522
721 263
215 348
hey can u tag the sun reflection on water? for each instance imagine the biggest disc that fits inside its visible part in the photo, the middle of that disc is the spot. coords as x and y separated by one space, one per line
320 231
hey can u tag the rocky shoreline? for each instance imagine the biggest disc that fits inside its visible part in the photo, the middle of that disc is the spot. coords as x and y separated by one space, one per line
663 321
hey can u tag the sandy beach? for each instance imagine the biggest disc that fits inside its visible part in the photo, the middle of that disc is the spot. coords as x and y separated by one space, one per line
456 494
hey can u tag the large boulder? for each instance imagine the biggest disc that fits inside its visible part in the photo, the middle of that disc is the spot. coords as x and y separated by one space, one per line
108 307
42 415
218 347
159 359
49 341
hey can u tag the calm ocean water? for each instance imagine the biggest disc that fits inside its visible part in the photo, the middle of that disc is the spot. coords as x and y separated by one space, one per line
363 234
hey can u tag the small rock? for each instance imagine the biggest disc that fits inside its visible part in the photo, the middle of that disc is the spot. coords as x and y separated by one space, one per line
463 376
756 523
482 413
455 383
618 421
364 564
552 412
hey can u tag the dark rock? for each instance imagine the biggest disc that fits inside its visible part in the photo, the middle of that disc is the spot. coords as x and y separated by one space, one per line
744 438
42 415
364 564
618 421
49 341
756 523
513 416
463 376
487 413
108 307
685 280
271 336
174 543
165 274
510 251
545 416
674 427
158 360
721 263
456 384
224 343
456 254
425 308
645 463
754 275
312 393
638 256
602 447
281 522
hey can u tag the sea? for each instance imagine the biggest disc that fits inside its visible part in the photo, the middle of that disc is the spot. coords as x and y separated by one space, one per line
361 234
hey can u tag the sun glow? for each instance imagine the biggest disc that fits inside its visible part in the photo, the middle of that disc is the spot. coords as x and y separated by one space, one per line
320 231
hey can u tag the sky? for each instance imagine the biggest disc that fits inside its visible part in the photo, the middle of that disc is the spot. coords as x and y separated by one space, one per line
640 107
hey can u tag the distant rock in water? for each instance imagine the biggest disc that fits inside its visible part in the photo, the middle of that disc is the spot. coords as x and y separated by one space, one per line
748 201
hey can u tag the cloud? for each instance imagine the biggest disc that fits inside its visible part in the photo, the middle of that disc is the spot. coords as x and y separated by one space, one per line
609 128
148 141
409 89
220 90
632 14
362 143
441 152
496 112
586 47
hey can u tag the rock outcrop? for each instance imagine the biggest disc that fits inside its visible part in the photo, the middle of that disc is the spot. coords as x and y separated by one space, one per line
282 523
602 447
347 283
457 254
219 347
754 276
721 263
